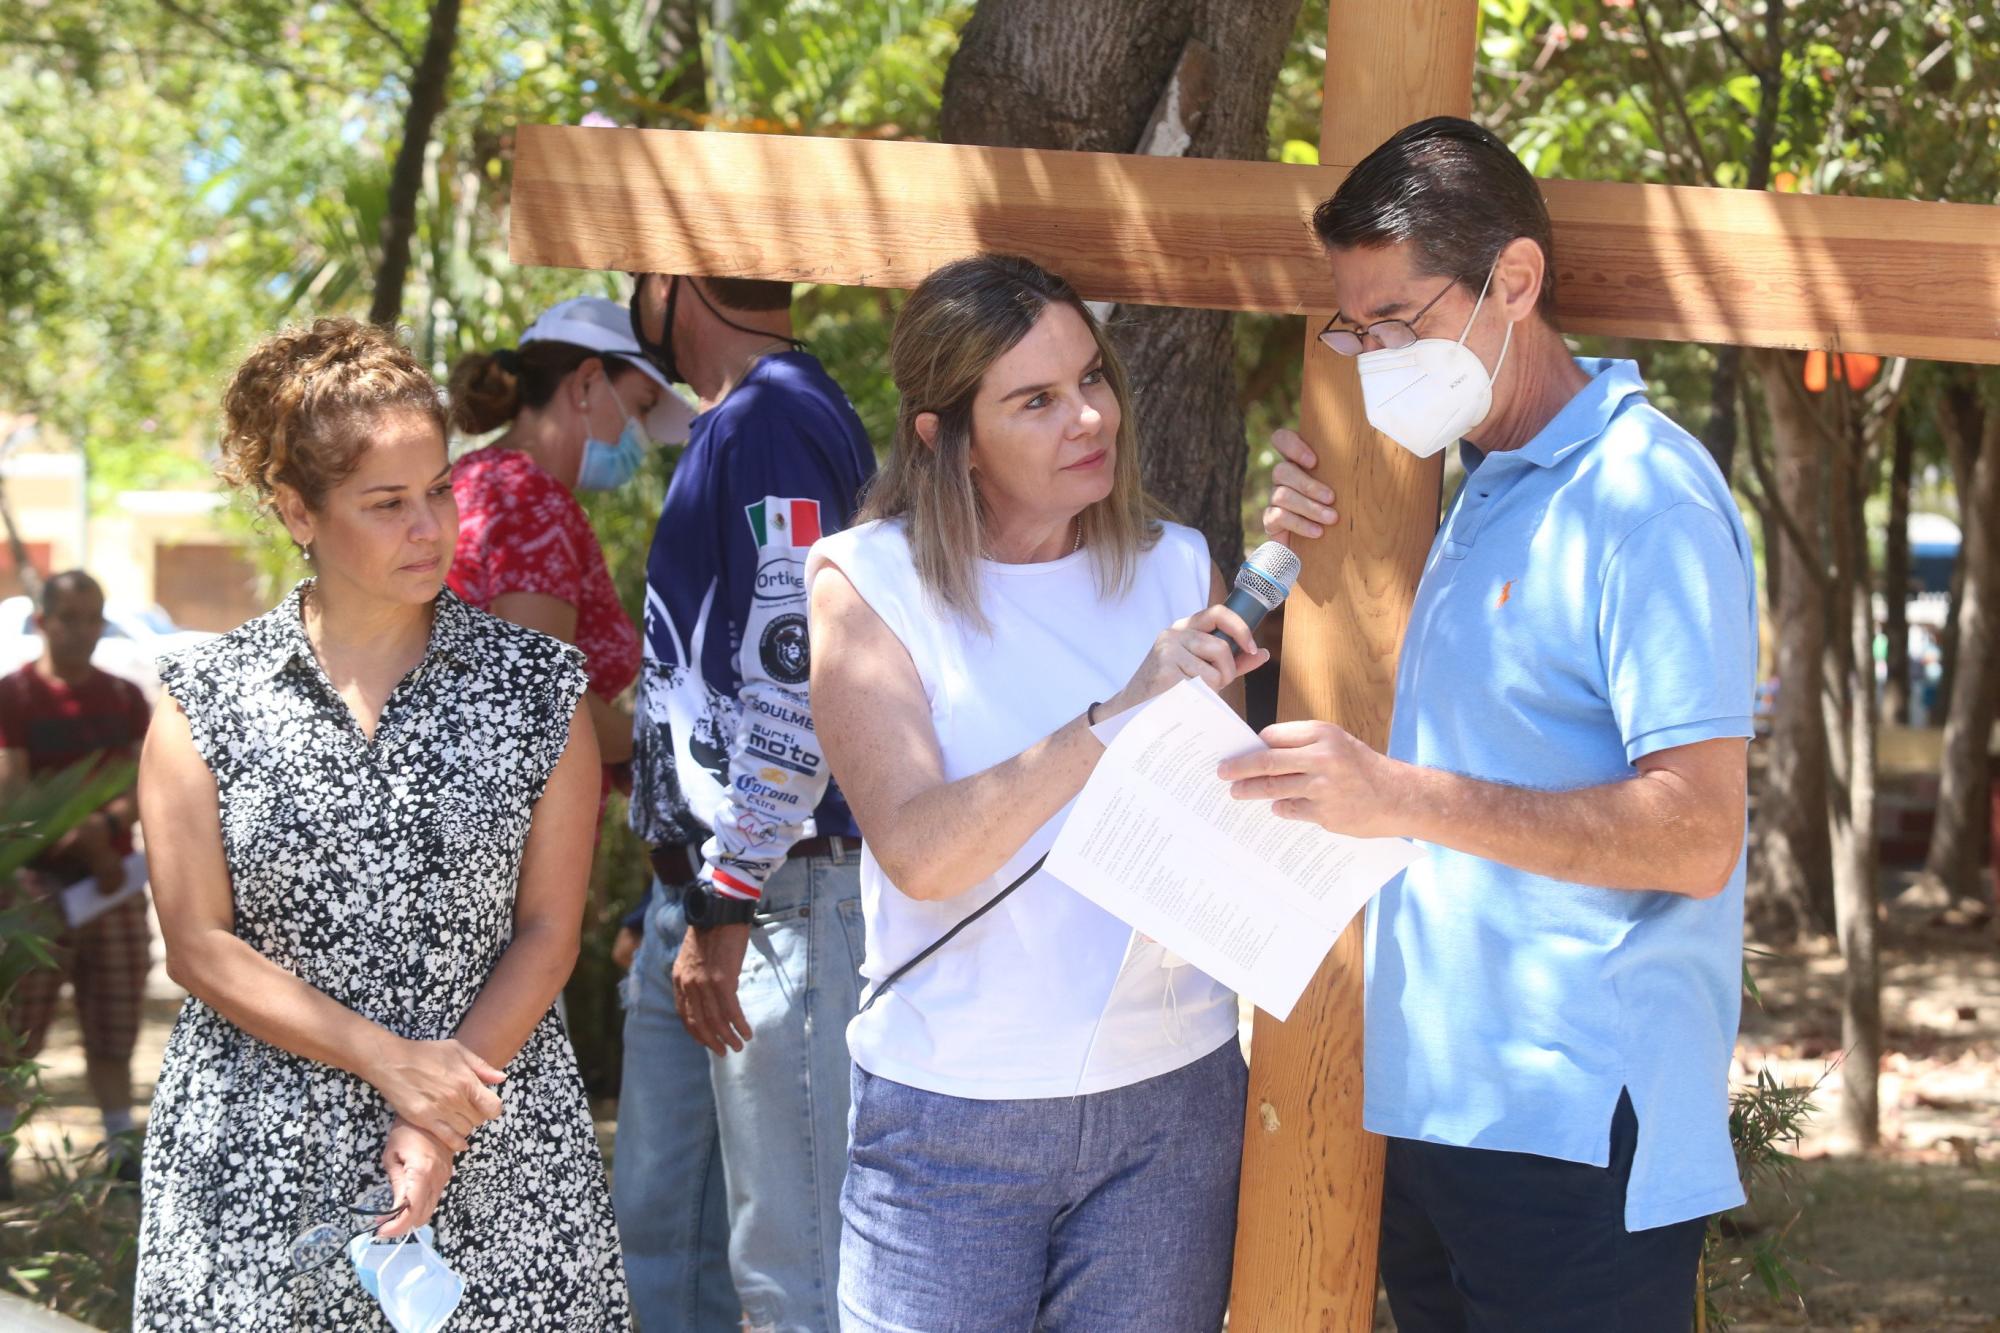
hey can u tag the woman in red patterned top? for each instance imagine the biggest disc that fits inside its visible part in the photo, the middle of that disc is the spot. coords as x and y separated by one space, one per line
572 398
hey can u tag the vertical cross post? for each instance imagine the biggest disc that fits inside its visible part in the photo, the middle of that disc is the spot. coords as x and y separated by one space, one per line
1312 1177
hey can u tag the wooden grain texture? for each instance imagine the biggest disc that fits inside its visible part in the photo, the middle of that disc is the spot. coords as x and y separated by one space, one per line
1894 277
1312 1177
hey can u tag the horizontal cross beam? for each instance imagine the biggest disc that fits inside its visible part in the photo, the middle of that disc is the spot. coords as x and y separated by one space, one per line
1889 276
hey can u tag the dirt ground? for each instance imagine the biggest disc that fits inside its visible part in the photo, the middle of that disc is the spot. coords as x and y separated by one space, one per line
1904 1238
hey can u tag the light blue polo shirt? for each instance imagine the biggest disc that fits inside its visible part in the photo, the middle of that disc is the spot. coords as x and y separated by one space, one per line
1589 599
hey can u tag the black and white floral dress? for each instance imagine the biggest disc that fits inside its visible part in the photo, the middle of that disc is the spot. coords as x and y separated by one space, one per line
384 874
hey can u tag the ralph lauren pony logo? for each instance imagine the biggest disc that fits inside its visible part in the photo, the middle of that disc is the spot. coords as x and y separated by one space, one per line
1506 594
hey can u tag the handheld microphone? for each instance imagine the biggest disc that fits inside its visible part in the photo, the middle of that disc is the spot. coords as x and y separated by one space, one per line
1262 582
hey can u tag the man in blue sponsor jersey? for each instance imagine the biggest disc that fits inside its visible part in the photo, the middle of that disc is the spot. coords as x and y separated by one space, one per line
751 942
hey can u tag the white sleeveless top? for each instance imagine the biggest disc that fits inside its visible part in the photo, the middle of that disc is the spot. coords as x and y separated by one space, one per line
1048 995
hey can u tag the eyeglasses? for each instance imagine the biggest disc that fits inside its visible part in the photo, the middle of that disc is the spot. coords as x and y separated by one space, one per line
1392 334
316 1245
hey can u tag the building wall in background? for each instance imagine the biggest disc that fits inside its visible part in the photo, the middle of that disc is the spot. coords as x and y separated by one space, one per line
171 549
45 493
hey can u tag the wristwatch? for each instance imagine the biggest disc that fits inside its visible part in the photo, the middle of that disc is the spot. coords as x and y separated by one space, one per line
703 909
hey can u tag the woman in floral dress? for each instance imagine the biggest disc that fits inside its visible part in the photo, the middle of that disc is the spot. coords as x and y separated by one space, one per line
369 817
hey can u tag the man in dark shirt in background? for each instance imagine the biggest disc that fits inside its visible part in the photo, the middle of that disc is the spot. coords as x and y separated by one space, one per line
752 941
55 712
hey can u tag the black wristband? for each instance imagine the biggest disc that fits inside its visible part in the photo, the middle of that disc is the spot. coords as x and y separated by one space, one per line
704 909
1090 713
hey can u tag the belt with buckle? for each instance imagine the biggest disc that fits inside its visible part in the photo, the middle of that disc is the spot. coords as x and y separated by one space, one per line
679 863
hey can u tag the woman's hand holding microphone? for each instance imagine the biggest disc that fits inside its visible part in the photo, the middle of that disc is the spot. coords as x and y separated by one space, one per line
1190 648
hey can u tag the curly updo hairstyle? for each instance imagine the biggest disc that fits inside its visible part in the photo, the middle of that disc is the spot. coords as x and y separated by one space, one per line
299 410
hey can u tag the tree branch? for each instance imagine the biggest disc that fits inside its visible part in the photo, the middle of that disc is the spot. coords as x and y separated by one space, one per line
1657 58
1729 39
241 48
1810 411
1753 491
1726 391
1552 41
1771 99
429 82
1811 558
381 29
108 49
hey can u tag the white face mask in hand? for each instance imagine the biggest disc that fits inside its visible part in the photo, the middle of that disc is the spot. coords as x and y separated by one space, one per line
1432 392
417 1290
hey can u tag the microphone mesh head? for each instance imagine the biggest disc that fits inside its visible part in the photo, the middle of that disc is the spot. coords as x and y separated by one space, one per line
1266 593
1278 563
1268 574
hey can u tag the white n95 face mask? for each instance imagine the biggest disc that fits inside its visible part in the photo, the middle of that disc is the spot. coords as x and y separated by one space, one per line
1432 392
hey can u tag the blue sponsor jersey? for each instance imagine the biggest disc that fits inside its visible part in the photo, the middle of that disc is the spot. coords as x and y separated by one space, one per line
724 749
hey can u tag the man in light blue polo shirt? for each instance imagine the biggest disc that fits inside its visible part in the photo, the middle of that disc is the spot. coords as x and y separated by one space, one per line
1553 986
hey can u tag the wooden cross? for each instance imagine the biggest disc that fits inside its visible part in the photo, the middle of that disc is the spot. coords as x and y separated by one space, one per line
1645 261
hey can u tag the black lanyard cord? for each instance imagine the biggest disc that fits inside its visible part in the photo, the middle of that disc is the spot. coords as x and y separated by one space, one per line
877 992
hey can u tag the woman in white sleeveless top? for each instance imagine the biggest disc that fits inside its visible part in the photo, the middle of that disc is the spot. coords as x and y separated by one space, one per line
1048 1111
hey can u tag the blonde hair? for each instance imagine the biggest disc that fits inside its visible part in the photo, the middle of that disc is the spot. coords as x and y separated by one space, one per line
297 411
956 324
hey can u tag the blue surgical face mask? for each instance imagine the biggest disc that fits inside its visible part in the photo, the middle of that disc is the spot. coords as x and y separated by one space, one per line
416 1289
606 467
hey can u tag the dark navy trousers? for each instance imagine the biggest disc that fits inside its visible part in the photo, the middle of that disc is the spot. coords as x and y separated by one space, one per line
1478 1241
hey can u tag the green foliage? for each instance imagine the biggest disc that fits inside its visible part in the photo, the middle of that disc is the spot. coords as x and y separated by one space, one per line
820 67
69 1240
177 181
1868 97
46 809
104 309
1766 1122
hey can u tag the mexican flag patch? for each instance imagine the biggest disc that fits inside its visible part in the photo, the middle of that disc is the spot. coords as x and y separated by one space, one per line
775 521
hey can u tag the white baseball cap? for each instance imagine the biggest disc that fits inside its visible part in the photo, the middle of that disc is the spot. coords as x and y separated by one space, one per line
603 325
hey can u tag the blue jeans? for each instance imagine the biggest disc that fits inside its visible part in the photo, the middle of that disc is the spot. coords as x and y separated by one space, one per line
775 1114
782 1100
1476 1240
1114 1211
666 1169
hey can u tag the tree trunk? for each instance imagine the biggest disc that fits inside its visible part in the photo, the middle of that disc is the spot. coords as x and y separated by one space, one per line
1850 807
675 26
1720 437
1793 892
428 84
1961 451
1974 432
1726 391
1054 74
1896 575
